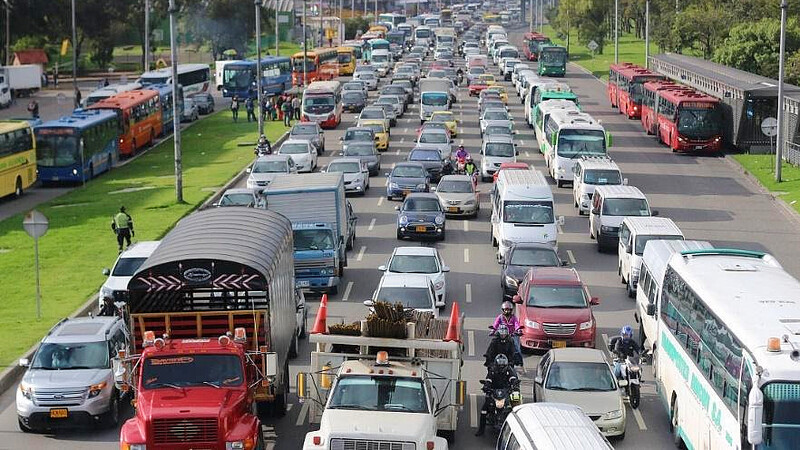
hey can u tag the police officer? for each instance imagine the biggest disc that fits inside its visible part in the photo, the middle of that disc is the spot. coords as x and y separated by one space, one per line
122 224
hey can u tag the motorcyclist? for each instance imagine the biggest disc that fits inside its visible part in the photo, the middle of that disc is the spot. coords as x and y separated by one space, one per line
500 374
447 168
263 147
509 320
470 168
623 346
500 344
461 153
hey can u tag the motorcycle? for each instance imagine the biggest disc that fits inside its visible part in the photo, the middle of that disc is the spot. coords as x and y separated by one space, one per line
631 377
262 149
502 401
517 359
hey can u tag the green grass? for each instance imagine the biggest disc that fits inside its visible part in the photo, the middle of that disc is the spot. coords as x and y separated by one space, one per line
763 168
80 243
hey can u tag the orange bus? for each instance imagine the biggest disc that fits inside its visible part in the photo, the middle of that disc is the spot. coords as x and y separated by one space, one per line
140 115
321 64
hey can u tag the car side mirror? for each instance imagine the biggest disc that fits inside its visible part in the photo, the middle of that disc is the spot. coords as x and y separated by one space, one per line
561 220
624 181
651 309
538 379
106 271
516 299
564 263
248 170
609 140
500 259
341 153
24 362
341 138
382 268
386 174
445 269
654 212
397 208
369 303
594 301
433 188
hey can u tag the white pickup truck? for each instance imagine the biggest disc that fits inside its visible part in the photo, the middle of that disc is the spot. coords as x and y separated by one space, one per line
371 400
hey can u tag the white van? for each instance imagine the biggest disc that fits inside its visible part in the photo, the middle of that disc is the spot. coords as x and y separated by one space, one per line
381 60
611 204
634 234
523 211
550 426
589 172
651 278
568 135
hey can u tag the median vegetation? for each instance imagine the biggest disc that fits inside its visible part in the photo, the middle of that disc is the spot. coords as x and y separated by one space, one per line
763 168
80 243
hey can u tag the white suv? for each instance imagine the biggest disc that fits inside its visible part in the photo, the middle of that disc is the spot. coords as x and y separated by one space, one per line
127 264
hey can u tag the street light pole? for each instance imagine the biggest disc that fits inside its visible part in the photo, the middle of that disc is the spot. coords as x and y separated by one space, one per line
781 58
74 59
647 33
146 35
376 12
616 31
541 16
176 116
305 48
257 4
531 7
277 33
8 32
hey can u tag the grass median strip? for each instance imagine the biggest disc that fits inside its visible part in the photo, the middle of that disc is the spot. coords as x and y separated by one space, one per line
763 168
80 243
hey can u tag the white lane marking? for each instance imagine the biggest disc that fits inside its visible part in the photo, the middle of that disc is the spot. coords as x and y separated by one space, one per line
301 418
361 253
402 139
289 406
521 142
527 154
466 225
405 130
466 255
397 152
473 410
372 223
468 293
639 420
571 257
461 141
471 343
560 230
347 290
380 199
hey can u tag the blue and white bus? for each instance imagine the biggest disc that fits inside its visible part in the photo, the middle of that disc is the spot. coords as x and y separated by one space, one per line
392 18
77 147
727 359
165 98
239 77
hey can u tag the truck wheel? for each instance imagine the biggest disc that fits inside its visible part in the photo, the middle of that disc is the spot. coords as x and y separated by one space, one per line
278 408
18 188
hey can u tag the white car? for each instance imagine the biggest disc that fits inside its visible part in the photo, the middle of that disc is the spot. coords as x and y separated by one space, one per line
412 290
419 260
266 168
127 264
495 116
302 153
369 78
354 171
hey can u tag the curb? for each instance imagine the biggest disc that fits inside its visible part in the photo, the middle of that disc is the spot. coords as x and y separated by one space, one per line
789 212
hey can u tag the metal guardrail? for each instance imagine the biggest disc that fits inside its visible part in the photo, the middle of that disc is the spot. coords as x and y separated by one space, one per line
792 153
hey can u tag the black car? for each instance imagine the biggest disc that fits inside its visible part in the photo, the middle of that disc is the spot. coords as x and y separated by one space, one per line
204 102
430 158
353 101
522 257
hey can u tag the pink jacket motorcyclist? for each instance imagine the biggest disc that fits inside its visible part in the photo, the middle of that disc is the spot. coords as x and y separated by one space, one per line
511 323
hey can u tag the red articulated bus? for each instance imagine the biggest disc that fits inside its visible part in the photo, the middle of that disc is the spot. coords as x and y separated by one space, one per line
689 121
613 79
650 92
140 114
629 90
532 43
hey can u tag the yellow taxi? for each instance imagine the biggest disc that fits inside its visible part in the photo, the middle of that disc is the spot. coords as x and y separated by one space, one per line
381 133
448 119
500 90
488 78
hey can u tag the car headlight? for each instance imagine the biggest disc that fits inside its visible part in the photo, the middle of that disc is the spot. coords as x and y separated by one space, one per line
96 389
605 229
26 389
531 324
438 285
511 281
421 186
586 325
393 185
616 414
439 220
403 220
126 446
469 203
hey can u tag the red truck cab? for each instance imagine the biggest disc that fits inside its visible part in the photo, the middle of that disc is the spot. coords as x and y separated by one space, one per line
191 394
554 309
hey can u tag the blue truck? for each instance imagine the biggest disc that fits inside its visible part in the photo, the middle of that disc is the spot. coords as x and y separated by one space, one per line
323 224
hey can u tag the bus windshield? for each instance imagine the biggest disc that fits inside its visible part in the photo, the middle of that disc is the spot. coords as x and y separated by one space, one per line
345 57
237 77
297 65
319 104
422 33
576 143
57 151
698 123
380 46
781 415
554 57
528 212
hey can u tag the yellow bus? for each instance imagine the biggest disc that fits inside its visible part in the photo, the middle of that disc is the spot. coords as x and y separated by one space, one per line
491 18
17 157
347 60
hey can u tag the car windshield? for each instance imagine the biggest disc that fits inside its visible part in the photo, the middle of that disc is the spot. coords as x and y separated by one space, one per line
433 138
366 75
436 74
126 267
580 376
294 149
313 239
421 205
380 58
395 90
625 207
376 128
557 297
495 115
345 57
410 297
602 177
454 187
409 172
477 70
72 356
360 150
414 264
440 117
236 200
373 113
528 212
179 371
304 129
352 87
424 155
539 257
434 99
699 123
499 149
641 241
353 96
379 393
358 135
576 143
497 129
344 167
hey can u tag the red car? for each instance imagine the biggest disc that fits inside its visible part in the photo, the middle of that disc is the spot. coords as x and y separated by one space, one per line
510 166
555 309
476 87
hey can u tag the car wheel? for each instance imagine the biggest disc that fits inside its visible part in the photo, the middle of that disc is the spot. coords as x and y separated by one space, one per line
399 235
630 291
22 427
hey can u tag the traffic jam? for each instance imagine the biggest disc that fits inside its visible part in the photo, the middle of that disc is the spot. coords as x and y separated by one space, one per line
347 285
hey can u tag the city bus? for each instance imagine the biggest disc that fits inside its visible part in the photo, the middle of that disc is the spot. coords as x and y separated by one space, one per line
628 83
17 157
347 60
650 91
358 48
239 77
322 103
726 359
140 114
423 35
78 147
568 136
532 42
393 18
446 16
193 77
321 64
613 74
552 61
167 112
689 121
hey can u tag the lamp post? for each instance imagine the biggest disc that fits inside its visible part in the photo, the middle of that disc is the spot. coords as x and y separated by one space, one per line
305 48
8 32
532 6
257 4
146 35
74 58
647 34
781 58
277 33
176 117
541 16
616 31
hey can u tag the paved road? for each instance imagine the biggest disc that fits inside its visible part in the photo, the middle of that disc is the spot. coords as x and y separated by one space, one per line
708 197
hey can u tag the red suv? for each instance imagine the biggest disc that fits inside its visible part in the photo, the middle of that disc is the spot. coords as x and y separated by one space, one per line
554 308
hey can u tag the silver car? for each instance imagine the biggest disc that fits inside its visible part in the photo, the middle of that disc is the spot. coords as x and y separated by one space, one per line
366 152
375 113
355 172
397 103
369 78
190 110
267 167
458 196
302 152
495 116
438 138
310 131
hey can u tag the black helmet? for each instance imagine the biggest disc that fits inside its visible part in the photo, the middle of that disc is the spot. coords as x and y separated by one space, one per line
502 332
507 306
501 361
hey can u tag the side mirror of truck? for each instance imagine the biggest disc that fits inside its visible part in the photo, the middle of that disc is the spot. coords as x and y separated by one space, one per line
369 303
106 271
594 301
271 363
624 181
248 170
538 379
302 385
24 362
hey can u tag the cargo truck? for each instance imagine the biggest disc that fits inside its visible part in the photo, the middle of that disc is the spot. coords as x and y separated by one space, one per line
435 95
213 312
19 81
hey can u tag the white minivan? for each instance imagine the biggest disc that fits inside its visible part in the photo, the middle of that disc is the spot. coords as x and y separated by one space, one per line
550 426
634 234
610 205
590 172
523 211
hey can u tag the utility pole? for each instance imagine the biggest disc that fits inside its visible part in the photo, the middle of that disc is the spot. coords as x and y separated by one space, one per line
176 117
305 48
781 58
8 32
531 7
616 31
541 16
375 19
321 25
259 74
74 58
277 34
647 34
146 35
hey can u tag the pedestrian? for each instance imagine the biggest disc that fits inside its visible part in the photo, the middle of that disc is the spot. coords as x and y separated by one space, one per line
55 77
33 108
105 82
122 225
235 108
287 113
250 108
296 107
78 96
279 106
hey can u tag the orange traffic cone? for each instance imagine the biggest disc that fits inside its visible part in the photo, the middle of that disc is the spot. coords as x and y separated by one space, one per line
324 299
453 328
320 323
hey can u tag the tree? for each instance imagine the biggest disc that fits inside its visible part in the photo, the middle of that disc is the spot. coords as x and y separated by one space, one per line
353 25
701 27
753 47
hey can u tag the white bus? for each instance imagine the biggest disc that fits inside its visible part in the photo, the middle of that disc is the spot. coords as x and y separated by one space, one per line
193 77
569 135
728 355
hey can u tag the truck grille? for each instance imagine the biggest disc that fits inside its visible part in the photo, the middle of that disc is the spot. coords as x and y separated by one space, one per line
559 329
358 444
59 397
313 263
173 431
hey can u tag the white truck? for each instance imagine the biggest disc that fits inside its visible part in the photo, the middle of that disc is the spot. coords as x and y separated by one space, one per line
367 399
436 94
19 81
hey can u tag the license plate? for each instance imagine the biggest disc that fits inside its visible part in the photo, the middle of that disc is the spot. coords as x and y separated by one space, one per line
559 344
59 413
452 209
420 228
302 283
699 147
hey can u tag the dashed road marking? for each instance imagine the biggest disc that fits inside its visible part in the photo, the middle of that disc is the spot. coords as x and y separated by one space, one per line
468 293
571 257
639 420
521 142
470 343
527 155
301 418
466 255
560 230
347 290
361 253
402 139
372 223
380 200
289 406
397 152
473 410
466 225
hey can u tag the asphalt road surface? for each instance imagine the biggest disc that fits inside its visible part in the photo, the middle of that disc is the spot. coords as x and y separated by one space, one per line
708 197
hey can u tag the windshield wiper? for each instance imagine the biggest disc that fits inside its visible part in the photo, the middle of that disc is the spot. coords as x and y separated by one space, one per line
351 406
174 386
398 406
